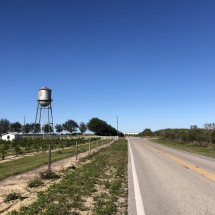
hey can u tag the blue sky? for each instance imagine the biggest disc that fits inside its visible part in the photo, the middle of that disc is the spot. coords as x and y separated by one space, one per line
151 63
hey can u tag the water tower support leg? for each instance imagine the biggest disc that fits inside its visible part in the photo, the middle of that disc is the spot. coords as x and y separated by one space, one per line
52 120
39 119
48 122
44 124
35 120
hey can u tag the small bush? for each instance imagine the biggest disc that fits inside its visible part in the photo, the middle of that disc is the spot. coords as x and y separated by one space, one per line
58 152
12 196
72 167
36 182
47 175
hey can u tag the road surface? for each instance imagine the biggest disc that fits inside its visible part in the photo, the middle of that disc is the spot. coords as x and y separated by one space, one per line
169 181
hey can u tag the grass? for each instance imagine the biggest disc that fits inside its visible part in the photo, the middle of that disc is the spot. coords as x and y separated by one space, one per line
11 152
194 148
29 163
103 180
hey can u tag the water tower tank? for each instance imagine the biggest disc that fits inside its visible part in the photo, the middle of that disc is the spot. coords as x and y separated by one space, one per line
44 97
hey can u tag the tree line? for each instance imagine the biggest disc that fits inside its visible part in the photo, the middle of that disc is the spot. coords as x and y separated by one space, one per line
69 126
203 136
95 125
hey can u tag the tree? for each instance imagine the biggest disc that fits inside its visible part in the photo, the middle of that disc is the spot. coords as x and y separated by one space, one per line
27 128
208 126
18 150
98 126
37 128
120 134
59 128
28 145
147 132
112 131
194 127
4 126
70 126
101 127
46 128
31 127
36 144
82 127
16 127
4 146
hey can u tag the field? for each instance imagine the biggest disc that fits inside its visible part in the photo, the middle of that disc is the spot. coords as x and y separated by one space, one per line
24 164
96 185
27 145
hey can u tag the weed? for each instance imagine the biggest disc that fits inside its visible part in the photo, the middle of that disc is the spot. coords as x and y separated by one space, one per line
12 196
107 184
72 166
36 182
115 186
49 175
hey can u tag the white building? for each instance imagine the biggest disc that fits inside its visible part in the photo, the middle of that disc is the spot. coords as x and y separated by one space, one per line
12 136
130 133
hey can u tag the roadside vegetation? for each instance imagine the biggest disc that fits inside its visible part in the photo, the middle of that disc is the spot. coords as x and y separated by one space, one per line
28 163
202 136
190 147
197 140
98 186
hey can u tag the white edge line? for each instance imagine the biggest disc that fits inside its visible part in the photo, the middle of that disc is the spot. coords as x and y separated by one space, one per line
138 196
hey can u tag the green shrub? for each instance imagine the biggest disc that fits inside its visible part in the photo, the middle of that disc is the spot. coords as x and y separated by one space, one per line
12 196
47 175
36 182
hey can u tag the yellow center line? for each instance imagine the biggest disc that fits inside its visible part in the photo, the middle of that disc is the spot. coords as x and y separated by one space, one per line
190 166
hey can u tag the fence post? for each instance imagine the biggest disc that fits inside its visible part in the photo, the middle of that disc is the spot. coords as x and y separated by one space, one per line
49 164
76 150
89 147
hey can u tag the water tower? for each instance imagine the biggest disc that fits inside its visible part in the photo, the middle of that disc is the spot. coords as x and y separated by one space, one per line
44 103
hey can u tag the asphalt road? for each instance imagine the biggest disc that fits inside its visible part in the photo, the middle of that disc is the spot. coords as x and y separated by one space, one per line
170 181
